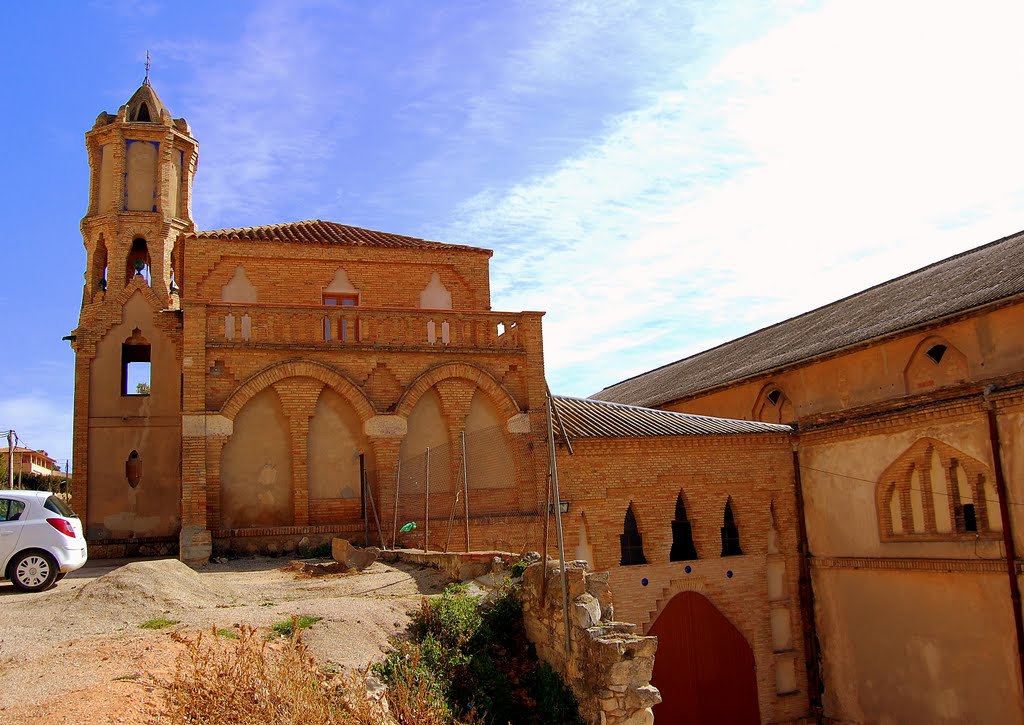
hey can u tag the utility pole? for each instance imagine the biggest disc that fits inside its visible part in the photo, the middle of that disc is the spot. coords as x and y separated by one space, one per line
10 459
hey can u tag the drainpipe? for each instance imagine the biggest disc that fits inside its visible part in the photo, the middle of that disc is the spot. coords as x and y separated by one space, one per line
812 653
1004 514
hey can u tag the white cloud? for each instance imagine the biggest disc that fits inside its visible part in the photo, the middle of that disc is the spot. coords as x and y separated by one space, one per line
847 146
269 106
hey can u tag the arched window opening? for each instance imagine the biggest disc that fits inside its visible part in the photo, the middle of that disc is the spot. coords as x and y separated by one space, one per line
135 365
730 533
682 534
133 469
772 405
99 266
175 270
631 541
143 114
138 260
935 353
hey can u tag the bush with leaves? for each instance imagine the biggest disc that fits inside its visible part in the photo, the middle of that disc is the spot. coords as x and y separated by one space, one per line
477 658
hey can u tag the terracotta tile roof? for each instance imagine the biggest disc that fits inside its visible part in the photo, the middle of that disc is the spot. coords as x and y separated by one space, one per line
315 231
985 275
585 418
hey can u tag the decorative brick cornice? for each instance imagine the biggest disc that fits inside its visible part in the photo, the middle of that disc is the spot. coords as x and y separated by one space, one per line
972 566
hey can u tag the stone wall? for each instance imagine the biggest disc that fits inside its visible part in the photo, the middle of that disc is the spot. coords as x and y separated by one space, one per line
608 666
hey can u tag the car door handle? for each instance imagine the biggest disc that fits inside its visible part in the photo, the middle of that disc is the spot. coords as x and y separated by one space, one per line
6 533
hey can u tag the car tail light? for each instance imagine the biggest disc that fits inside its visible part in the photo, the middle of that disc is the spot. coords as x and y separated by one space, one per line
63 526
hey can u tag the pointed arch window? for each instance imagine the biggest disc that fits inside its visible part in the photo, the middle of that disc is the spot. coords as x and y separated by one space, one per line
682 534
631 541
730 533
138 260
934 492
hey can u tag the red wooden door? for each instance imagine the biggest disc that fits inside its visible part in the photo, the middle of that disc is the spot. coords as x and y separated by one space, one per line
704 667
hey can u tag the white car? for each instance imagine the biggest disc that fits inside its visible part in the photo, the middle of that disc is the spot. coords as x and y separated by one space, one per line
41 539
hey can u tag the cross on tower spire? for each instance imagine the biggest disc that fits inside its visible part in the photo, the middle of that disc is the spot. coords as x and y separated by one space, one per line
145 81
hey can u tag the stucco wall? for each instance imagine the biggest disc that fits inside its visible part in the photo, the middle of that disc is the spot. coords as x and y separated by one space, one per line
990 345
256 472
119 424
840 474
917 647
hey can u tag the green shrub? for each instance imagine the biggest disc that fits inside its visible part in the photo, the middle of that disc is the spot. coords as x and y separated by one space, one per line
518 568
552 696
158 623
288 627
476 659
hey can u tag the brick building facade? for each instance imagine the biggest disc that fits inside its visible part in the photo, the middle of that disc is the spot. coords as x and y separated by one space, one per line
248 389
286 370
908 409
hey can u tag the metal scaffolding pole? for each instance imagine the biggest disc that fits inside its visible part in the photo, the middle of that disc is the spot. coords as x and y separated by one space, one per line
426 502
552 463
465 488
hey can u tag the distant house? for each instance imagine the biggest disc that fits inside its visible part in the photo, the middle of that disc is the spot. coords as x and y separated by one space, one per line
38 463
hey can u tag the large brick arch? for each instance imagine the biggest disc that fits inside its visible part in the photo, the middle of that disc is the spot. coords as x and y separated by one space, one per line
497 392
299 368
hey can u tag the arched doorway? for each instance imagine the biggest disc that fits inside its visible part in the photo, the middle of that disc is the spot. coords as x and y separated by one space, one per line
704 667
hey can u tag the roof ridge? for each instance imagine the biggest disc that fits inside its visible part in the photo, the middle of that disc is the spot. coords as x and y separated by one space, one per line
328 232
859 293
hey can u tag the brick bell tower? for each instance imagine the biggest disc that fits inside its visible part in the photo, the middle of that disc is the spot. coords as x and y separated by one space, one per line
128 344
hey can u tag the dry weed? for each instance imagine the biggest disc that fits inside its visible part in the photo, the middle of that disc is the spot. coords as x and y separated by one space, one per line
220 681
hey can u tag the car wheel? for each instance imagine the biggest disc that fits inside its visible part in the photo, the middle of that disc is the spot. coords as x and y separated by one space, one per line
33 571
59 577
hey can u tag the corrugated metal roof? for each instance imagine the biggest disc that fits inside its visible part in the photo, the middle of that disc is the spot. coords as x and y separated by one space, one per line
584 418
978 277
315 231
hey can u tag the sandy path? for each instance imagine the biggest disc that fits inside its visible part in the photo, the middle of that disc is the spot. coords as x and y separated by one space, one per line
76 654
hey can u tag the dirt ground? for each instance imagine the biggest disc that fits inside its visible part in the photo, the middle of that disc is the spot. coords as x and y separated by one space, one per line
76 653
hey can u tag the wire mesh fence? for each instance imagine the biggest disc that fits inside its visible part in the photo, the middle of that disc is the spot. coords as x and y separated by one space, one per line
441 489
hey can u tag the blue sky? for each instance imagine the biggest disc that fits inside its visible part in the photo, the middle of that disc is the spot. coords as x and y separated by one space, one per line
658 177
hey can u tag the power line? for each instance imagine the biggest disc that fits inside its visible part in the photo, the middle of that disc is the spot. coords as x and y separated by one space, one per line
911 488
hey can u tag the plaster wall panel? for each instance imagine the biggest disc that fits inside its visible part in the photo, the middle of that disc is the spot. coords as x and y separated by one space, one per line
140 180
427 426
256 470
116 510
839 479
917 647
106 177
489 459
105 384
335 442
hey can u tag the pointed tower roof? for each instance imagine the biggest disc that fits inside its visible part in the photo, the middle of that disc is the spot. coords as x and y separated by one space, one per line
145 105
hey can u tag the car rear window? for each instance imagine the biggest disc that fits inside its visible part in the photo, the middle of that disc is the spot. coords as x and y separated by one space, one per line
59 507
10 510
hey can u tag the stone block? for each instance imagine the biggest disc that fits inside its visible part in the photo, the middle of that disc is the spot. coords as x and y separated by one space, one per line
638 717
195 545
586 611
351 556
639 698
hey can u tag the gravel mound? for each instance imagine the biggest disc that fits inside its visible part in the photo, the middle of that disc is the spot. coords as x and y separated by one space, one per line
167 584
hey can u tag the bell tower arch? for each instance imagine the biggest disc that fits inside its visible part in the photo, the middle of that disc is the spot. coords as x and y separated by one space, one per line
128 343
142 164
